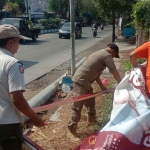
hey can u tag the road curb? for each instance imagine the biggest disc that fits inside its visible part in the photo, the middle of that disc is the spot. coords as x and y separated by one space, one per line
42 97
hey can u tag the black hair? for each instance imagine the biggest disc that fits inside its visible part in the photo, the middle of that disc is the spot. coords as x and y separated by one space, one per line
3 42
113 46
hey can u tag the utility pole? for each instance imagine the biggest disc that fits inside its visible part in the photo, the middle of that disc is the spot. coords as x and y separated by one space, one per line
29 10
26 8
72 41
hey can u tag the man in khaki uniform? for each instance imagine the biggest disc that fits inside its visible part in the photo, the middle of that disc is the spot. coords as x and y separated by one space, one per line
85 75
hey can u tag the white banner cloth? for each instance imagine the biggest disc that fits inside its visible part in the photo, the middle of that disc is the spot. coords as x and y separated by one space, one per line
129 125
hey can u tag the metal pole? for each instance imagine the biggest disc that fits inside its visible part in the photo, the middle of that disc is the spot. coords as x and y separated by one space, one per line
26 8
72 41
29 10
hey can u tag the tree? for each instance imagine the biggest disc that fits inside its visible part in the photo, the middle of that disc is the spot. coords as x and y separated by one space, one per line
112 8
141 20
2 4
13 8
21 4
91 7
81 6
59 6
78 7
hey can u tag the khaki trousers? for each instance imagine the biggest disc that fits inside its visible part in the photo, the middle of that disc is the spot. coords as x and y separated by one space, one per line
78 90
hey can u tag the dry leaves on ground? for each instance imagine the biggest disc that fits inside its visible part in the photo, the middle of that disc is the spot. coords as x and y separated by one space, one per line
54 136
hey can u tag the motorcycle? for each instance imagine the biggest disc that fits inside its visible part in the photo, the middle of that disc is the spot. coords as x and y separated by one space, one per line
94 32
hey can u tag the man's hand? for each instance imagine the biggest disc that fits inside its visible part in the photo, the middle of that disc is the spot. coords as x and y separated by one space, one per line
39 122
117 76
22 105
98 80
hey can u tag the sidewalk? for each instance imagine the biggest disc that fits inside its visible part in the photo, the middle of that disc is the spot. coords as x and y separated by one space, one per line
125 46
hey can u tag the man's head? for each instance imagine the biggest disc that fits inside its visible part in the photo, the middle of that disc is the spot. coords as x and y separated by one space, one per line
114 50
9 38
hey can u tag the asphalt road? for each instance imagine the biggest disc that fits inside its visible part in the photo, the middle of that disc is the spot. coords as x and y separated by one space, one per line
49 51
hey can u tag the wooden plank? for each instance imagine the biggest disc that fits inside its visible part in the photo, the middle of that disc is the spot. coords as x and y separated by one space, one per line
71 100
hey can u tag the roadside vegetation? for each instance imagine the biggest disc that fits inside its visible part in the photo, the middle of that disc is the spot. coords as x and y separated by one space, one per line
46 24
14 7
127 65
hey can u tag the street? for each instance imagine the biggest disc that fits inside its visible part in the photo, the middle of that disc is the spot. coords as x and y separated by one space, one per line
49 51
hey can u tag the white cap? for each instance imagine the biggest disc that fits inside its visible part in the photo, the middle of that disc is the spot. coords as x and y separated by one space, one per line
9 31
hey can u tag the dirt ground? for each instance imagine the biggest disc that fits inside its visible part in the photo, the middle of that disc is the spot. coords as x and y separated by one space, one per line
54 136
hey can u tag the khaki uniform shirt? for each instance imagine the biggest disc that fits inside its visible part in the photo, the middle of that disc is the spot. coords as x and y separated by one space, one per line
11 79
92 67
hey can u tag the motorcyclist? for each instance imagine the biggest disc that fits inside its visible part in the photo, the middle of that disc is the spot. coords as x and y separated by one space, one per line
102 26
94 28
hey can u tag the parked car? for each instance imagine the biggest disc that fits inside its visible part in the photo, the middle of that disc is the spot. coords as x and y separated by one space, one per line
65 30
22 25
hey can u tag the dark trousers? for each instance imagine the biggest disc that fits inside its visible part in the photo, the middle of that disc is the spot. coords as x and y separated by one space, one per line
11 136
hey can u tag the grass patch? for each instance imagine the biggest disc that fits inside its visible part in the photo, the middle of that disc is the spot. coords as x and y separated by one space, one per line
128 66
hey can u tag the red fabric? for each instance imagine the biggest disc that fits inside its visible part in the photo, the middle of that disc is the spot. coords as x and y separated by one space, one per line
110 140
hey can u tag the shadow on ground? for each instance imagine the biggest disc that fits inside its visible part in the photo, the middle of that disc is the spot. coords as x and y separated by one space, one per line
30 42
28 64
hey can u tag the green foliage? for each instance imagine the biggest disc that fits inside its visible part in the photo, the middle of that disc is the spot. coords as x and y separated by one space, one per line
104 111
12 7
46 16
90 6
57 21
81 6
59 6
111 8
127 66
141 60
52 21
21 4
141 15
30 24
2 3
44 22
49 23
39 27
123 7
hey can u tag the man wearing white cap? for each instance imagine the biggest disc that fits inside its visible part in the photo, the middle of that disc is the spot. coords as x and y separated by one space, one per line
12 86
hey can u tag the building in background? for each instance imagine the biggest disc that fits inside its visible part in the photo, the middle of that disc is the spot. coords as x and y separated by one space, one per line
38 9
37 5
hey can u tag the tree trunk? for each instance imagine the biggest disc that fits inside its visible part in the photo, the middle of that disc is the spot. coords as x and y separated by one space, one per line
113 31
140 38
77 9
